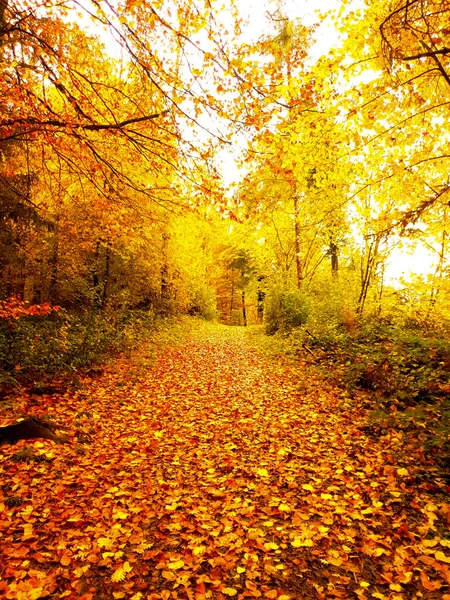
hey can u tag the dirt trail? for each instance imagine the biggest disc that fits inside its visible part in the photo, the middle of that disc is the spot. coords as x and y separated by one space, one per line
217 472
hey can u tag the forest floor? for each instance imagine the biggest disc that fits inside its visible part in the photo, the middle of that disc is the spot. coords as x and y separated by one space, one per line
216 471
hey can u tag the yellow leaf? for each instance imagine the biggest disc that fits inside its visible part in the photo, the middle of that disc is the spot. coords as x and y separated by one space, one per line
127 567
176 565
395 587
326 496
406 577
118 575
136 596
120 572
308 487
262 473
299 542
169 575
441 556
229 591
120 514
211 471
240 570
271 546
198 550
104 543
284 507
402 472
378 551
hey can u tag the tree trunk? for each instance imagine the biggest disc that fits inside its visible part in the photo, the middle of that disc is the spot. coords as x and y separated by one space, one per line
54 264
106 275
244 311
3 7
95 277
260 301
30 429
333 250
165 292
437 277
298 260
367 273
231 297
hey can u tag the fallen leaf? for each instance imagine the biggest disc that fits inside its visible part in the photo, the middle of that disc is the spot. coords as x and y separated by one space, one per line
176 565
228 591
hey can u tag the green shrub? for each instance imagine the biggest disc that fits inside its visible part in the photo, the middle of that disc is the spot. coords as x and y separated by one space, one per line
63 342
203 303
285 310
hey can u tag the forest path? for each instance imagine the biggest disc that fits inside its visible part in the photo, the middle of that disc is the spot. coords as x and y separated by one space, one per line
216 472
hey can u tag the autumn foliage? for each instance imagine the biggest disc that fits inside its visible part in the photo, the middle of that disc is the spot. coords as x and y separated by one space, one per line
167 164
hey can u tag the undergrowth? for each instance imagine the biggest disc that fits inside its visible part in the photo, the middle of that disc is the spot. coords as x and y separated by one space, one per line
36 349
403 372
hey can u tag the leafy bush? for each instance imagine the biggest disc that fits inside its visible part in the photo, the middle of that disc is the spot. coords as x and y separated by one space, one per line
203 303
285 310
63 342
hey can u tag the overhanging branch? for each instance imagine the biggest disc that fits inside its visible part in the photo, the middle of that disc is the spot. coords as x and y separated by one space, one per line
83 126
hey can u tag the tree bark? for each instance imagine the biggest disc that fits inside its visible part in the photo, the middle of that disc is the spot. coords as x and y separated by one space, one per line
244 310
95 277
367 273
106 275
298 260
333 250
3 7
231 296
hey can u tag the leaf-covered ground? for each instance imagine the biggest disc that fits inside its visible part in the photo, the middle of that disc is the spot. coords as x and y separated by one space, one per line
217 472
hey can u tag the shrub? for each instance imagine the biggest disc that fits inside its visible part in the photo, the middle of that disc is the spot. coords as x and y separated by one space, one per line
62 342
203 303
285 310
